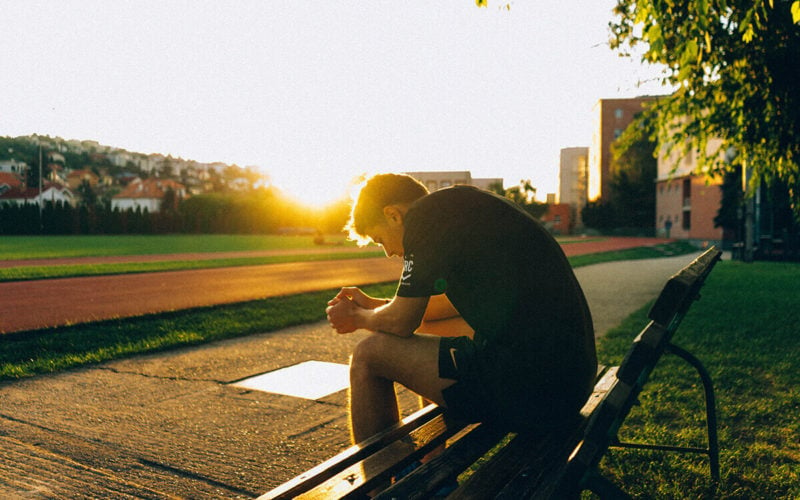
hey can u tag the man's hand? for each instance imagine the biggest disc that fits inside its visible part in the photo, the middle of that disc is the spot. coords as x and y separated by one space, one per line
342 313
352 309
346 305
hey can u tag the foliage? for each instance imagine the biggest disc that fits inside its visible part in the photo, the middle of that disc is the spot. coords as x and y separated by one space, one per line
734 65
234 200
631 204
524 195
634 171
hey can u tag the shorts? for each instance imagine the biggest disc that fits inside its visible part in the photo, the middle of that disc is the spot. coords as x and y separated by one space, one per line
500 386
458 360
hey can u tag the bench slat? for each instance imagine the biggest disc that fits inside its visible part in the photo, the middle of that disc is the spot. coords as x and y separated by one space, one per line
351 455
430 477
377 468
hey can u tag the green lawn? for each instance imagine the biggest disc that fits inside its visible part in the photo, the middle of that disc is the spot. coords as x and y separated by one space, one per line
745 331
47 247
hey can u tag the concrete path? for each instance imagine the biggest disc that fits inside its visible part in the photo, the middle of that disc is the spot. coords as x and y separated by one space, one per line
614 290
170 425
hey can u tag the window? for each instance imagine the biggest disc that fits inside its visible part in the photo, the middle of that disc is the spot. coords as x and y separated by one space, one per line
618 113
687 220
617 132
445 184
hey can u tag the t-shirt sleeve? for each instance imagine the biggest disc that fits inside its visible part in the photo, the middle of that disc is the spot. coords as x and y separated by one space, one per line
425 264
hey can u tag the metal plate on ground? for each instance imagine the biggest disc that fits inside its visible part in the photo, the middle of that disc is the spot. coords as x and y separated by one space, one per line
308 380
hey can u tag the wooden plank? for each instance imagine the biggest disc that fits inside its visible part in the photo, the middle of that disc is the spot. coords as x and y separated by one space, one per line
351 455
681 289
463 452
376 469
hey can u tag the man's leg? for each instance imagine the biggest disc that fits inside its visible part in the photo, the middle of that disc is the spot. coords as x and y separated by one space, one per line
378 361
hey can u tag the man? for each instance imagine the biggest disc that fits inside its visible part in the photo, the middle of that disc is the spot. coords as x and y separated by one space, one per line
467 253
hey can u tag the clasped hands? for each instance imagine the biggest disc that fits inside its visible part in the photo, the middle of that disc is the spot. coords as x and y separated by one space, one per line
344 309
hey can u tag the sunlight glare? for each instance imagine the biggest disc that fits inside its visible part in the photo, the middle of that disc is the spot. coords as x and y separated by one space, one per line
316 189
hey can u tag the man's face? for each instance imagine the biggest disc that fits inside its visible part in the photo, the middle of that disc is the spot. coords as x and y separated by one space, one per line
389 236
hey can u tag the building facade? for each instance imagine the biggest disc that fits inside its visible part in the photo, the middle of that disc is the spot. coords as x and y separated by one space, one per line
612 117
146 195
572 175
439 180
686 201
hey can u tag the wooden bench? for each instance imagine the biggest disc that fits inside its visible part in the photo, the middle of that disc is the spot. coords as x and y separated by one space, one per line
515 465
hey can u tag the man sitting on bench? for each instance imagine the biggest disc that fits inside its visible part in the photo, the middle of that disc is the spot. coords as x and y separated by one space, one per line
531 363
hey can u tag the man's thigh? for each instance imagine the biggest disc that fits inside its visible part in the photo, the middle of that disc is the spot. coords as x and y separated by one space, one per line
411 361
449 327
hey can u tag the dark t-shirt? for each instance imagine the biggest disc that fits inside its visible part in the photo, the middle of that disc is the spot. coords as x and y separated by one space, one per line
510 281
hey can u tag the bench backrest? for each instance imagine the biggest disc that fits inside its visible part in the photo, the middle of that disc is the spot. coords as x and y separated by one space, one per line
668 311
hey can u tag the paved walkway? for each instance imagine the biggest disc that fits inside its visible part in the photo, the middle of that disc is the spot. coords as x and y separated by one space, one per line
170 425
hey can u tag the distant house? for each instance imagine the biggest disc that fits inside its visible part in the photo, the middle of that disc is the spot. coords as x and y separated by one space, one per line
76 178
13 166
10 181
146 194
22 195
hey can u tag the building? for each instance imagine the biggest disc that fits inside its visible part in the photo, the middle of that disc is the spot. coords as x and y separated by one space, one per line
572 173
51 193
77 177
146 194
686 202
612 117
13 166
558 219
10 181
438 180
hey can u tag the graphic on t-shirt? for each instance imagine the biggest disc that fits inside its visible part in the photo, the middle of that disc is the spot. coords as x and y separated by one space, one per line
408 265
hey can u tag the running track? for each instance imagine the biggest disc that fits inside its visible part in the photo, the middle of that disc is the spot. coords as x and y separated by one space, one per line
27 305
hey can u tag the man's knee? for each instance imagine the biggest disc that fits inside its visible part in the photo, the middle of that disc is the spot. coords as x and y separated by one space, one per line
369 353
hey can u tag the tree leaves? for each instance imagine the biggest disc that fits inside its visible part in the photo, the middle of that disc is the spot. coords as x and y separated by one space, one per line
732 68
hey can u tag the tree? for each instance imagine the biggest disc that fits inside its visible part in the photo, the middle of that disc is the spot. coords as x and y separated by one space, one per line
735 68
633 194
524 195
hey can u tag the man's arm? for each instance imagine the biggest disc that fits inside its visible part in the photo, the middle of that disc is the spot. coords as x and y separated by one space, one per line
401 316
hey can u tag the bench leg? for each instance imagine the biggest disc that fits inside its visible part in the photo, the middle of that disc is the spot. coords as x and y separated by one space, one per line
711 407
711 418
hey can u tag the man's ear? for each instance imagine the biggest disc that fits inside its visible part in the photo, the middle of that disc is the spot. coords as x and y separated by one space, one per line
393 214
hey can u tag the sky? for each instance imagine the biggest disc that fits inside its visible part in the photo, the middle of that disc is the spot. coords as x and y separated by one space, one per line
316 93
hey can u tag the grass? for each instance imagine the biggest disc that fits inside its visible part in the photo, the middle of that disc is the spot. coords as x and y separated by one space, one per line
744 330
47 247
23 273
662 250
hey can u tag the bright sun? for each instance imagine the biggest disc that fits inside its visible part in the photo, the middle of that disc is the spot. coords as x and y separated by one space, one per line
312 190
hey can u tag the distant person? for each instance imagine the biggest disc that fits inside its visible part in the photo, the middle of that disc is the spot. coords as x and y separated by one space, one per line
478 263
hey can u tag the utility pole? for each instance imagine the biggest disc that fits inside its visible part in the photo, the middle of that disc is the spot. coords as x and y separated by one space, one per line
749 209
41 195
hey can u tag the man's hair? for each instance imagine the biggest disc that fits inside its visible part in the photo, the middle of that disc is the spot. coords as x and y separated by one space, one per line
376 193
